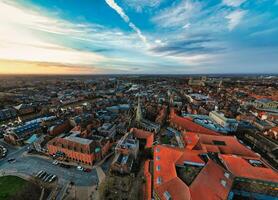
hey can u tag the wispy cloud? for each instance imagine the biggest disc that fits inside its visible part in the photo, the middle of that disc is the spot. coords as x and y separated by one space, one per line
143 4
178 15
233 3
235 18
120 11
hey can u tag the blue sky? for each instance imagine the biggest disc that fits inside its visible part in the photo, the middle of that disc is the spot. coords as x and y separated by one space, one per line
142 36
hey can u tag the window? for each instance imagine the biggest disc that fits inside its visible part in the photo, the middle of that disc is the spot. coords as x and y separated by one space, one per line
157 157
223 183
159 180
157 149
227 175
158 168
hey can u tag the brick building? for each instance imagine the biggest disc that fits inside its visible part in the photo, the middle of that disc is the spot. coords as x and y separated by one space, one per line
77 149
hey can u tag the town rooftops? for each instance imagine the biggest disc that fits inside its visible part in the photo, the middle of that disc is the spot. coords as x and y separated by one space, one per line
188 125
210 182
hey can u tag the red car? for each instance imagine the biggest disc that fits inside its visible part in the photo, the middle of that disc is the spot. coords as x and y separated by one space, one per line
87 170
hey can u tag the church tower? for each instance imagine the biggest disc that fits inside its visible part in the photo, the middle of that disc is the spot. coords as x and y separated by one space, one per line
138 111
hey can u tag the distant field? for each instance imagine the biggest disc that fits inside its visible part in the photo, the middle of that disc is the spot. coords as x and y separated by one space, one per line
10 185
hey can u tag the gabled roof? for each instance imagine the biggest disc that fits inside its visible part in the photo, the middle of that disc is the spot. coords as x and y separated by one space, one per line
211 183
241 167
149 136
188 125
217 144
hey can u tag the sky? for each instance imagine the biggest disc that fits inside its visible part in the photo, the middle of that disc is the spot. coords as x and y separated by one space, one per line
138 36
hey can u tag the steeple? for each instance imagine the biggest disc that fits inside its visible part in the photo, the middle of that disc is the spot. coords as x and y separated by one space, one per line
138 111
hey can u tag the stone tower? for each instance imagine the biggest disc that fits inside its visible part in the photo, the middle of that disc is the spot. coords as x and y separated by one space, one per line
138 111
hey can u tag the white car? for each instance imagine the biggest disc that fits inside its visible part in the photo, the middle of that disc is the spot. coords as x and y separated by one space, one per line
79 168
55 162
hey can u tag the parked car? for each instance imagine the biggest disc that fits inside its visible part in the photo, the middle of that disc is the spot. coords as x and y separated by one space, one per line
42 174
65 166
87 170
11 160
53 178
39 173
48 178
55 162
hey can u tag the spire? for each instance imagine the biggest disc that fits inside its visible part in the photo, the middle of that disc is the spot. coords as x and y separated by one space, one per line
138 111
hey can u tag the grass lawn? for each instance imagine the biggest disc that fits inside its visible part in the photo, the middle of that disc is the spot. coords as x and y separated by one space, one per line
10 185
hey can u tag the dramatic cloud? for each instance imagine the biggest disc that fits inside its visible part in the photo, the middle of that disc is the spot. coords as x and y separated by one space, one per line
120 11
235 18
183 36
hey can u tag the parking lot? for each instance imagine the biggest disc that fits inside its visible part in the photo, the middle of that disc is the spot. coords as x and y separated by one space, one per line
31 165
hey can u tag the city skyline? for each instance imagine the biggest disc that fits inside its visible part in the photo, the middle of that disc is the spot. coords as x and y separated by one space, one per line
146 37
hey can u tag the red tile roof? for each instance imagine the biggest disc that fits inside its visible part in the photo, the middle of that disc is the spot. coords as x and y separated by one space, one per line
187 124
207 184
206 143
148 184
240 167
176 188
190 157
149 136
232 146
165 158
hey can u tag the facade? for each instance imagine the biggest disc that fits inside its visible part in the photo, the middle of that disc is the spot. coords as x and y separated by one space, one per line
77 149
227 123
24 109
144 123
59 128
126 153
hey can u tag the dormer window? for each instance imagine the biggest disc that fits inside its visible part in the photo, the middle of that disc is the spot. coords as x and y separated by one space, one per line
159 180
227 175
158 168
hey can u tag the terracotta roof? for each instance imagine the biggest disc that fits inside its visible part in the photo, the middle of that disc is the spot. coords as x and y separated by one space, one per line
191 157
231 145
190 139
216 144
148 184
149 136
240 167
176 188
211 183
165 157
188 125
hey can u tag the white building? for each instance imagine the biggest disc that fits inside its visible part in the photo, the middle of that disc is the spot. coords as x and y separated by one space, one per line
227 123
